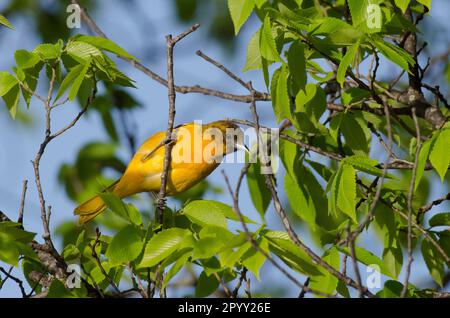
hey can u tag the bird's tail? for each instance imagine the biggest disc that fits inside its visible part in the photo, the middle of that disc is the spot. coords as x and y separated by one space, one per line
92 207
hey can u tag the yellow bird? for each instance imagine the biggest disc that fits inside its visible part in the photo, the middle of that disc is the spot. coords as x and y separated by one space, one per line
197 151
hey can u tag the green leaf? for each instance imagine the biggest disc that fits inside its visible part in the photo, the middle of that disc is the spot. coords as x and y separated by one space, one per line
355 134
281 104
368 258
439 157
7 82
348 59
300 201
365 164
207 247
281 245
25 59
47 51
125 211
105 44
267 43
206 213
69 79
82 52
426 3
327 282
360 13
73 91
354 95
231 258
4 21
253 61
161 245
346 197
180 262
423 157
435 263
297 65
206 285
240 11
9 253
393 259
395 54
253 259
125 246
259 193
402 4
11 100
440 219
58 290
392 289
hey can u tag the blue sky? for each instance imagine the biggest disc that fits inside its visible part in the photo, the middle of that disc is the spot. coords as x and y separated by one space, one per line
19 144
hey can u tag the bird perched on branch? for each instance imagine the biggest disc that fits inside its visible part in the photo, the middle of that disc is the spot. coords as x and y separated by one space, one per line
196 151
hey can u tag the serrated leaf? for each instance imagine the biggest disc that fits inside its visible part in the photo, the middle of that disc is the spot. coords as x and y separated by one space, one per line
346 197
105 44
439 157
281 245
297 65
253 61
395 54
68 80
161 245
422 161
299 200
181 261
281 102
25 59
267 44
73 91
47 51
207 247
253 259
365 164
368 258
355 134
348 59
240 11
125 211
125 246
327 282
434 262
259 193
82 51
206 213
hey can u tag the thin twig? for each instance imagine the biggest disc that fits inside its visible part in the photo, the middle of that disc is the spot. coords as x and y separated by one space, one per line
22 201
171 42
99 263
242 277
179 89
352 250
410 204
15 279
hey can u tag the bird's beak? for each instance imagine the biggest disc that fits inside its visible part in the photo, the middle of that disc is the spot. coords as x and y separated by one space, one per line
242 147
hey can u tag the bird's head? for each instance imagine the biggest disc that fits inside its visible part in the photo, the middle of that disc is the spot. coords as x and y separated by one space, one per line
232 135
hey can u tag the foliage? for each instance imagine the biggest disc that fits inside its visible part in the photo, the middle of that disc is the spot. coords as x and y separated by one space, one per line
311 55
